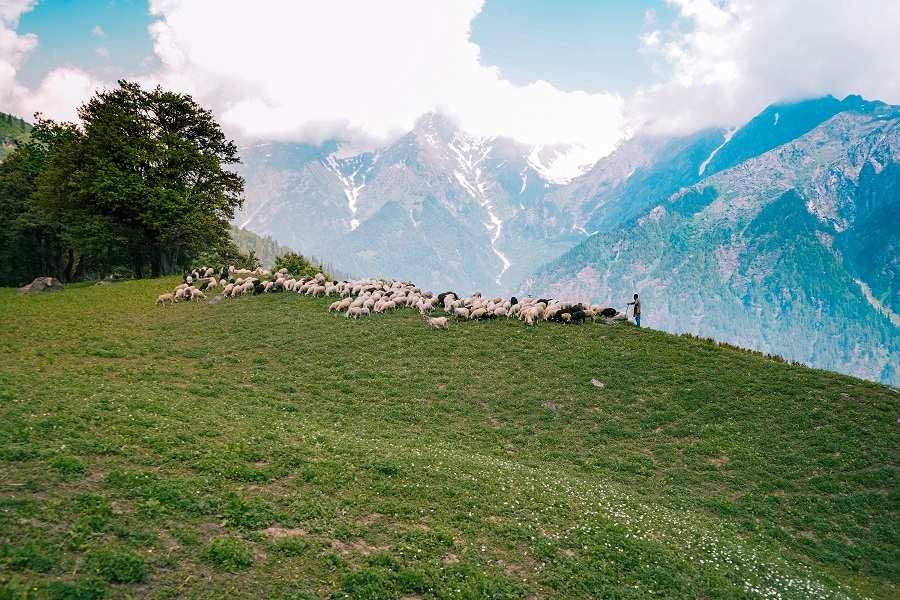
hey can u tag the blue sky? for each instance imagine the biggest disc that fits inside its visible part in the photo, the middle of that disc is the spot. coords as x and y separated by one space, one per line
585 72
68 32
585 45
573 44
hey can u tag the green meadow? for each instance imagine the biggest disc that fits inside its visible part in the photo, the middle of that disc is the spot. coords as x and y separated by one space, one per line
266 448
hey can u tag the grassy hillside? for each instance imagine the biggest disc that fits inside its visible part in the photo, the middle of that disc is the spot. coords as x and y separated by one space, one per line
265 448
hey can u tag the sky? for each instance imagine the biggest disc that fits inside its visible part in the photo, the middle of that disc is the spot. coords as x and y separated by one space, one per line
585 72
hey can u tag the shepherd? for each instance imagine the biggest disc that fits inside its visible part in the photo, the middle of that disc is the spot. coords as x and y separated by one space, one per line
637 310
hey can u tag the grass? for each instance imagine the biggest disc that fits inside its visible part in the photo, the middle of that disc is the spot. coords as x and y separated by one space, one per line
266 448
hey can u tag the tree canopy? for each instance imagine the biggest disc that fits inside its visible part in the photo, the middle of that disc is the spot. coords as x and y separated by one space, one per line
142 181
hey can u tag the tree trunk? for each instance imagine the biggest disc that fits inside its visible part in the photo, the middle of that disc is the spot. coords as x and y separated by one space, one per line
79 270
70 266
167 261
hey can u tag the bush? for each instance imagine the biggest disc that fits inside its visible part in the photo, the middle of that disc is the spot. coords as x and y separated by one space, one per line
90 588
117 566
290 546
298 265
67 465
228 553
249 514
26 557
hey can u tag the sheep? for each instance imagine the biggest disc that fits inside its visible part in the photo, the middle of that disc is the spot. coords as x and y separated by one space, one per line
165 298
209 272
179 294
460 313
438 322
226 289
197 296
579 316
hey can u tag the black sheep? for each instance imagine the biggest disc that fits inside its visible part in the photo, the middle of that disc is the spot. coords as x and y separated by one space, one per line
608 312
579 316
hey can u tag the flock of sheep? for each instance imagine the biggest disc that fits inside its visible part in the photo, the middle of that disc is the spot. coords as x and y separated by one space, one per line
363 297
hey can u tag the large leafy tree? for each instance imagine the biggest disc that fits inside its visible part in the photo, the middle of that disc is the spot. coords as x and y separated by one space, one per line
32 242
146 176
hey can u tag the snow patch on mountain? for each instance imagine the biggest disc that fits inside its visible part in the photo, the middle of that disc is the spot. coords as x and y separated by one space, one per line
560 167
728 135
351 190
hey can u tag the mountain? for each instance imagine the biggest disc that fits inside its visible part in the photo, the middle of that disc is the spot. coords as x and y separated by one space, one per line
784 239
12 129
782 235
439 206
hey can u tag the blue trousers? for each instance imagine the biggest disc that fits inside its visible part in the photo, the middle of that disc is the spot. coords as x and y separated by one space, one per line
637 319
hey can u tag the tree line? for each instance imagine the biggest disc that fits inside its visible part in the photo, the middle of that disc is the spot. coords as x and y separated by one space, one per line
140 186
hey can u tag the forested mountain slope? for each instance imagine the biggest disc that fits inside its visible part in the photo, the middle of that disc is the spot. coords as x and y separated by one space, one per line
794 250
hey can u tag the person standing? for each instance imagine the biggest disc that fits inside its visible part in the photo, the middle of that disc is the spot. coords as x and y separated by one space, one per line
637 309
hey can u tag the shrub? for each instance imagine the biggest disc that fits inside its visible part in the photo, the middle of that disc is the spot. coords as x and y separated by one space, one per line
290 546
117 566
26 557
67 465
228 553
298 265
249 514
89 588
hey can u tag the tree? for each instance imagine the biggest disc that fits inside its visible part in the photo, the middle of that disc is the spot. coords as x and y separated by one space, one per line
32 243
147 174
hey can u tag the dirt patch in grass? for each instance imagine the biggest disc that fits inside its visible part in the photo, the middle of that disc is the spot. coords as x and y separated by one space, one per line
369 519
276 533
718 462
210 530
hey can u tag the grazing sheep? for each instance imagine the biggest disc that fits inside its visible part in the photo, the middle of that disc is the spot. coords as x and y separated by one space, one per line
579 316
165 298
180 294
478 313
438 322
197 296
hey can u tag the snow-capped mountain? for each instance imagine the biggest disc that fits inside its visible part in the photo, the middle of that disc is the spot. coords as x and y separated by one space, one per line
439 206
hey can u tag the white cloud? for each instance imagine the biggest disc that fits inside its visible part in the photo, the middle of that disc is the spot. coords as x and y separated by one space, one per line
104 52
725 60
60 92
356 68
98 31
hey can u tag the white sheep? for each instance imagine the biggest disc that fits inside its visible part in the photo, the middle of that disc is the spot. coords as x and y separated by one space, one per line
197 296
438 322
165 298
